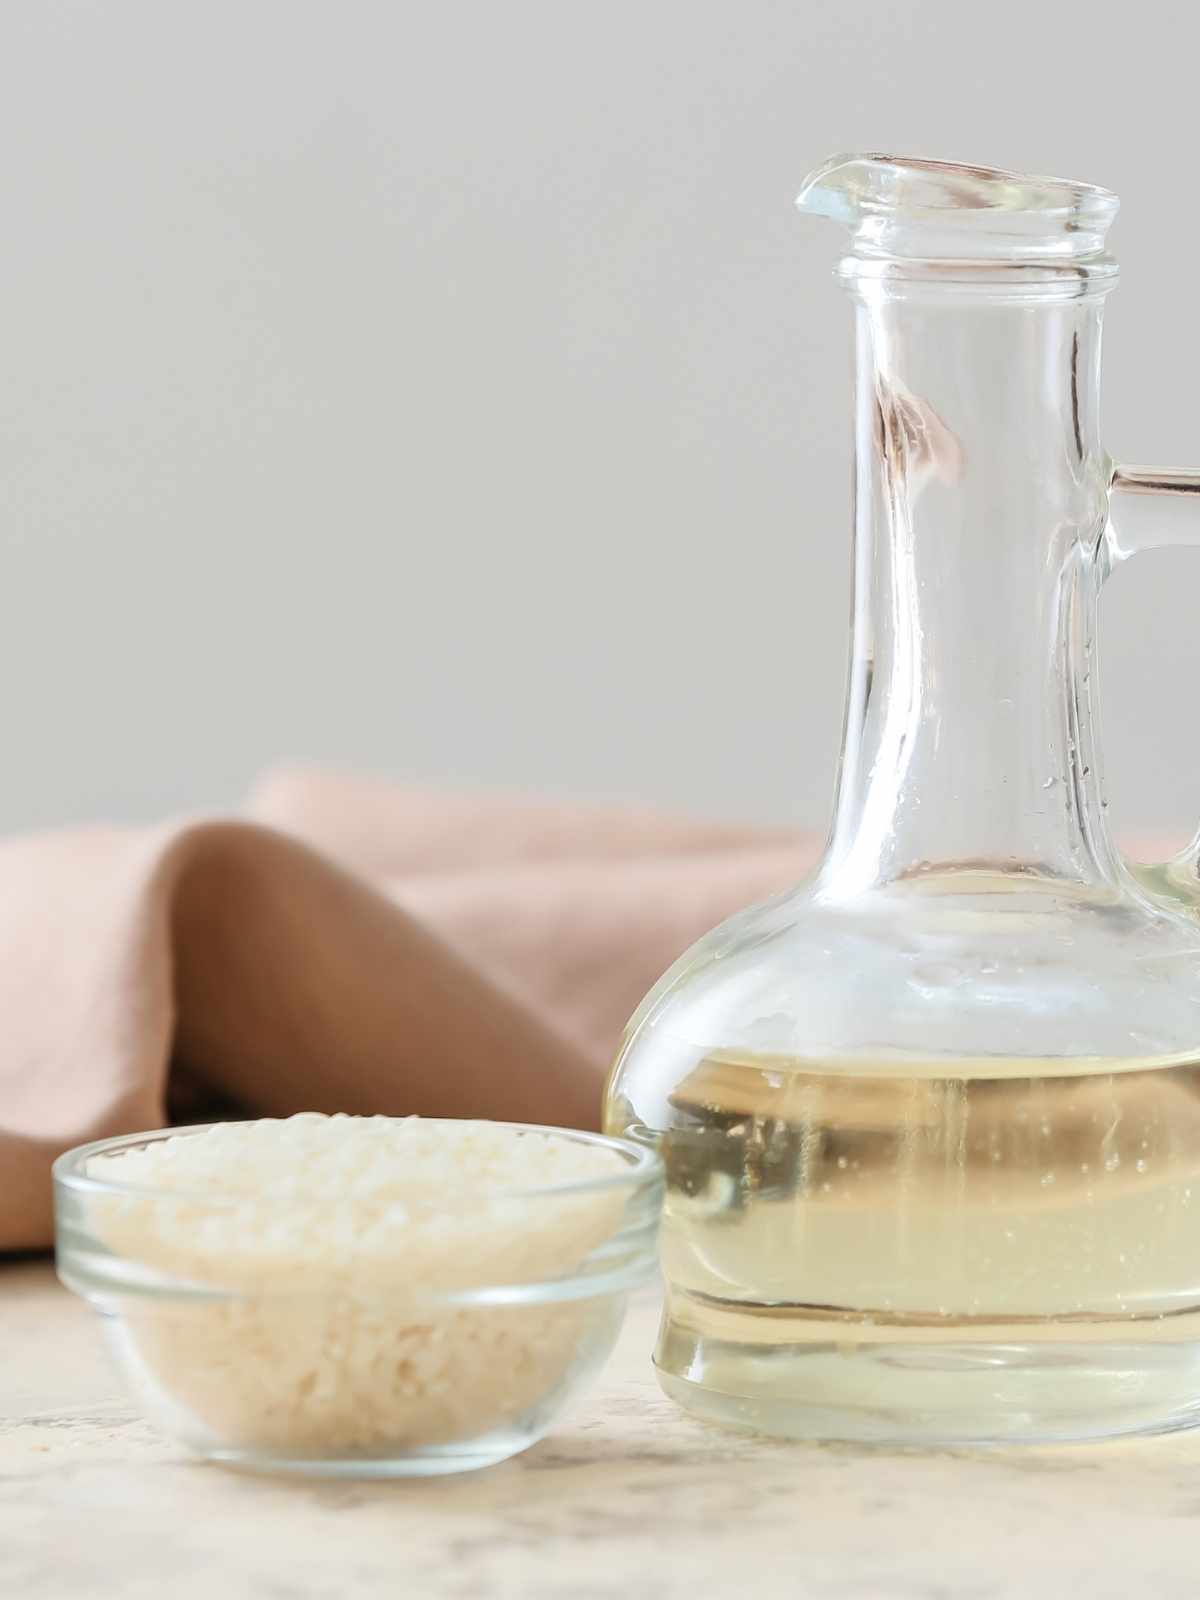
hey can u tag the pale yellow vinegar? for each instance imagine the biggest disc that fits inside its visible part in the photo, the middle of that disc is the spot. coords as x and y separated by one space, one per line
1003 1213
996 1191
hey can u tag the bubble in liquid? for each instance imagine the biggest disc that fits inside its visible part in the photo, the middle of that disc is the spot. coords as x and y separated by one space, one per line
842 1163
1141 1165
1112 1162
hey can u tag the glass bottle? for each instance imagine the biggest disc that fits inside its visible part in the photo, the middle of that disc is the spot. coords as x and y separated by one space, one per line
931 1120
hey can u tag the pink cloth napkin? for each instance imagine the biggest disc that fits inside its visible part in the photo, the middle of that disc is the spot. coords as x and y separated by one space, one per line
351 946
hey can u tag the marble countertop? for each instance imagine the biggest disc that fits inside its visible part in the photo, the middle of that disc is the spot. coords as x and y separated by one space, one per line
628 1497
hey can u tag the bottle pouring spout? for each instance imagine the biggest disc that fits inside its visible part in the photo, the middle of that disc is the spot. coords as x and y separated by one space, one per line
910 208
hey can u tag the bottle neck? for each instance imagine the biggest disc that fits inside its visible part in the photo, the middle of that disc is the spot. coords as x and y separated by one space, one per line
970 739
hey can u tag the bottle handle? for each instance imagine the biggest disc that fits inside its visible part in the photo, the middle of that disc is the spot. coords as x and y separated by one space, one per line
1151 508
1155 508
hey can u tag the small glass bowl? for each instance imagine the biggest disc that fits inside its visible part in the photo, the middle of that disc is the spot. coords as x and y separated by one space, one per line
448 1340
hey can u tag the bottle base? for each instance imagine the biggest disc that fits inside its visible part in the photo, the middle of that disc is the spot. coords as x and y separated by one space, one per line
871 1384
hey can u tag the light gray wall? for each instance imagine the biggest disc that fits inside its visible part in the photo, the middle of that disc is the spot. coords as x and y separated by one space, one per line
451 389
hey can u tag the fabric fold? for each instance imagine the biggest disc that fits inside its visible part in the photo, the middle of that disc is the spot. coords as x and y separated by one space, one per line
354 946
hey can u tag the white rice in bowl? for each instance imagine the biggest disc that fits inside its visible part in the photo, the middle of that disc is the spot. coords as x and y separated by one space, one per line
332 1243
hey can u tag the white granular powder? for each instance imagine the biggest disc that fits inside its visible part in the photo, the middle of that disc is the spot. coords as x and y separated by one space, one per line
339 1239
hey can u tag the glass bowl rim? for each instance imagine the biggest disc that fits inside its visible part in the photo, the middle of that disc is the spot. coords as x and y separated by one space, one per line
644 1165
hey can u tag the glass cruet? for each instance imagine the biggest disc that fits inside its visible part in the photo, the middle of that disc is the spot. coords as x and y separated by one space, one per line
931 1120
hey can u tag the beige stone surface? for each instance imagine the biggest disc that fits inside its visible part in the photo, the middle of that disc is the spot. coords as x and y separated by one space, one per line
628 1498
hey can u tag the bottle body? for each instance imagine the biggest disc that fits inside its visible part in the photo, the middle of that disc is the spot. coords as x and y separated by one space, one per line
929 1238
